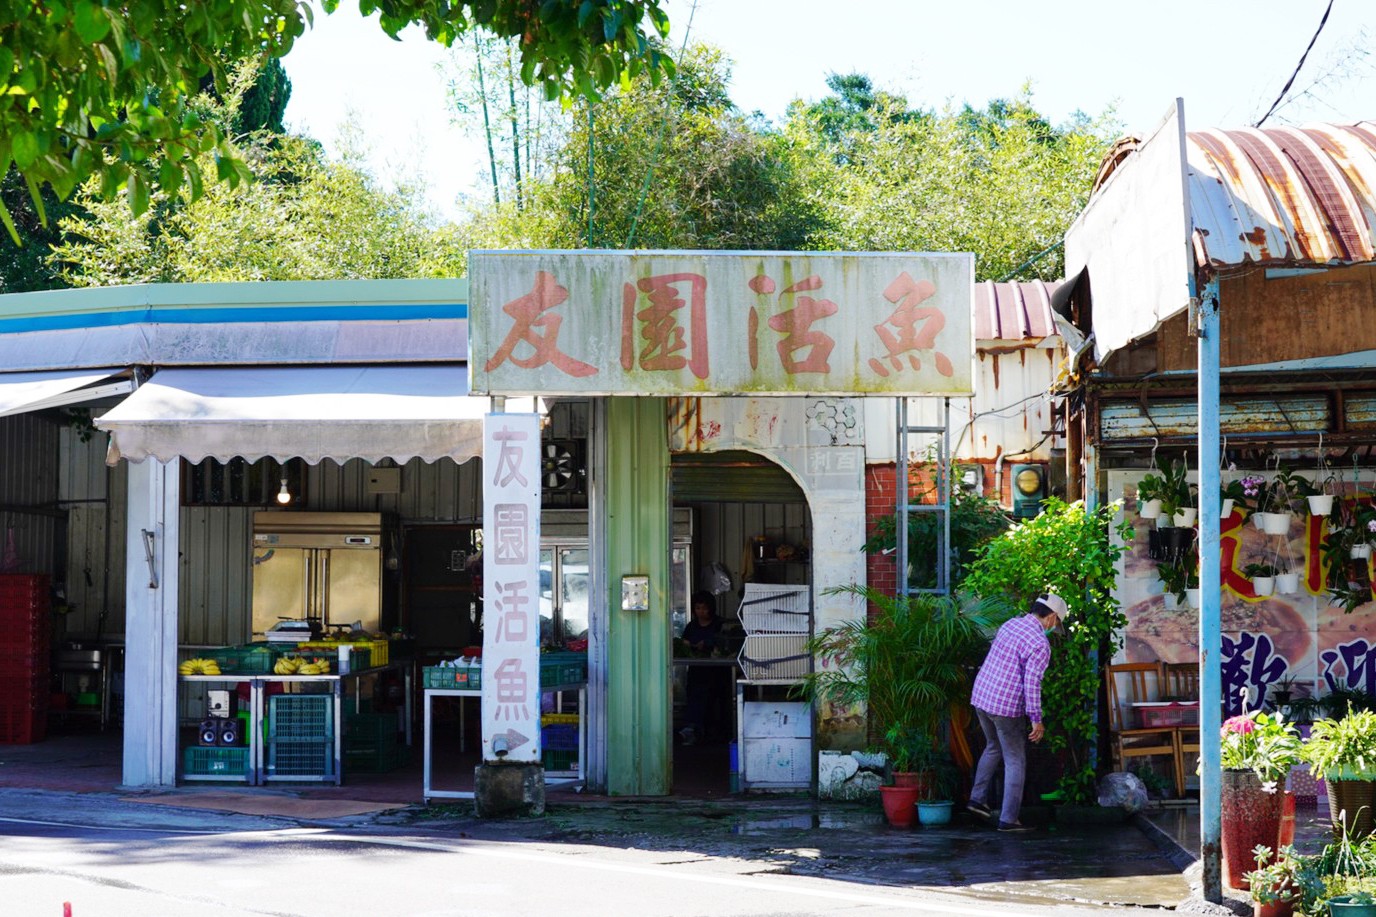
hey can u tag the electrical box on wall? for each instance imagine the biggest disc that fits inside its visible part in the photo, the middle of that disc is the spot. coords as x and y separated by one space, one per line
384 481
968 478
1029 490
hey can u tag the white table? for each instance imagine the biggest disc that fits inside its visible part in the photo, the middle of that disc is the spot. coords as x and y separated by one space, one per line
552 778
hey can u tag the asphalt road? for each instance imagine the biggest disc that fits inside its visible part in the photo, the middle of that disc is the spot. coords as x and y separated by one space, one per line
108 856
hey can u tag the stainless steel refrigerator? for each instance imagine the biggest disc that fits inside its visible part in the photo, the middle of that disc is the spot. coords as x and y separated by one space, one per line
324 567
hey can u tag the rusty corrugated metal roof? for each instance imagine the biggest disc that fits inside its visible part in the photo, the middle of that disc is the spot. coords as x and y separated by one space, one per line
1283 196
1014 311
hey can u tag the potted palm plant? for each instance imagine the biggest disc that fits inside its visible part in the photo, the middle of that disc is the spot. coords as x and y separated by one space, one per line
909 665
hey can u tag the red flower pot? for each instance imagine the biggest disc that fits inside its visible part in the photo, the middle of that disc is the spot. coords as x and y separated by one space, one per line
900 805
1251 816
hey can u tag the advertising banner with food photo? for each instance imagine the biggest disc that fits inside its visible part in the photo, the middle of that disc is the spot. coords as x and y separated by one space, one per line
1297 607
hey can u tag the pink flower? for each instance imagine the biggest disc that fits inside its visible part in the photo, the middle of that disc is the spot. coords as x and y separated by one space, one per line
1239 724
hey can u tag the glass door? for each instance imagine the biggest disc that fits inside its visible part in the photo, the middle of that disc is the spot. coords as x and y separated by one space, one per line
563 594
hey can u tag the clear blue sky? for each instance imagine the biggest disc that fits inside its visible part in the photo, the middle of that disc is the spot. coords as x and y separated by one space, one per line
1227 59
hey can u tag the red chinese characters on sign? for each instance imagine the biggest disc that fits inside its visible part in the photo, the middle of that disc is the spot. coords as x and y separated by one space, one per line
508 464
911 328
511 535
795 324
661 330
513 612
512 687
538 330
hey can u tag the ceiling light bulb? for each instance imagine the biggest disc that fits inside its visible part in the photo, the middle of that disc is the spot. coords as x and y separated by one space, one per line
284 495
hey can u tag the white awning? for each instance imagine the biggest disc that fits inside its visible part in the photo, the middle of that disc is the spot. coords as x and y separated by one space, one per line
312 413
24 392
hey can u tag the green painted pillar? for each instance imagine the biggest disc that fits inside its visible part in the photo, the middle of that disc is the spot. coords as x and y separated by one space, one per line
638 701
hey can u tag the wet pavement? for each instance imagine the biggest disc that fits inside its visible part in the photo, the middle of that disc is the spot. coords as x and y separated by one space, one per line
1115 865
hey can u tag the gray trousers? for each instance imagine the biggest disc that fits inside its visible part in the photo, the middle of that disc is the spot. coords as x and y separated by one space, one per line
1005 741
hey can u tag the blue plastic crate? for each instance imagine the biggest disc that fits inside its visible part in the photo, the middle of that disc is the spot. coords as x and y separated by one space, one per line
559 737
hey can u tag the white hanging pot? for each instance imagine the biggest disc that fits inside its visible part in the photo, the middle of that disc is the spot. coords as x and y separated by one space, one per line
1192 597
1320 504
1276 523
1163 521
1150 509
1227 508
1256 519
1264 585
1361 551
1287 583
1170 601
1185 518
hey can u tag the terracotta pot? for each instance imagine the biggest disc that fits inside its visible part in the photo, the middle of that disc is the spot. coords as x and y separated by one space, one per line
916 779
1274 909
900 805
1251 817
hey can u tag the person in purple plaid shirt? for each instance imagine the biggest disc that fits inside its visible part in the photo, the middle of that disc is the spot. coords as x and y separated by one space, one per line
1007 693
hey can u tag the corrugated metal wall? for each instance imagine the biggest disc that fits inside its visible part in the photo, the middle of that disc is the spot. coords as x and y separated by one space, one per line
28 495
1011 411
95 498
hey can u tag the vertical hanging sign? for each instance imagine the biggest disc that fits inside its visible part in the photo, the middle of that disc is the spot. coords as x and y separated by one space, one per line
511 588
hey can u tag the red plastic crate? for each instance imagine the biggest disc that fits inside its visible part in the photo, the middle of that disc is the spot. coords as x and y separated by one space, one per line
22 726
1157 716
22 690
23 665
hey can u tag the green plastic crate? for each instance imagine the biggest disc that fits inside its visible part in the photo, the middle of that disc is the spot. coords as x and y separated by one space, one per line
214 761
301 717
300 759
436 676
563 669
377 759
559 761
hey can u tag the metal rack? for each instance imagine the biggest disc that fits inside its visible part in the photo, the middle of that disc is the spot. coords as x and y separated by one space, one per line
258 771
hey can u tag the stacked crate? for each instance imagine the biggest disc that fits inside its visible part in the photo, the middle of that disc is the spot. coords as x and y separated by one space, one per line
24 655
300 735
777 621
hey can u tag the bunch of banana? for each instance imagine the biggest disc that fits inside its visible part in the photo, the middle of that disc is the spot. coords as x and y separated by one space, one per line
198 667
296 665
315 667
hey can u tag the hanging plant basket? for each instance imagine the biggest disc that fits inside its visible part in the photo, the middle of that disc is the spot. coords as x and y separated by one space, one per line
1170 601
1185 518
1263 585
1192 597
1149 509
1275 523
1227 508
1360 551
1287 583
1320 504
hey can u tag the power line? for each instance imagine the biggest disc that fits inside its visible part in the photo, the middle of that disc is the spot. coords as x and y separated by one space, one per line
1290 82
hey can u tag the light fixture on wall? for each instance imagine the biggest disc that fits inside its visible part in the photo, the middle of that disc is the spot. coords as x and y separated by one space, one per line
284 495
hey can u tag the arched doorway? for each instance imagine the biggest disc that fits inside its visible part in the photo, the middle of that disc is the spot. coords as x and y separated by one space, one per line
751 523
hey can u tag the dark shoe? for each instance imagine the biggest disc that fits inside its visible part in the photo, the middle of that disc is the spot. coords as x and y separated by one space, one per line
1015 828
978 809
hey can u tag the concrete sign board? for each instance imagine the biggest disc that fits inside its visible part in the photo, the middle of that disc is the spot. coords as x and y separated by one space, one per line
511 588
773 323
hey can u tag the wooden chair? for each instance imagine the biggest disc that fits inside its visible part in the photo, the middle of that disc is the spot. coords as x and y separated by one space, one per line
1182 683
1142 682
